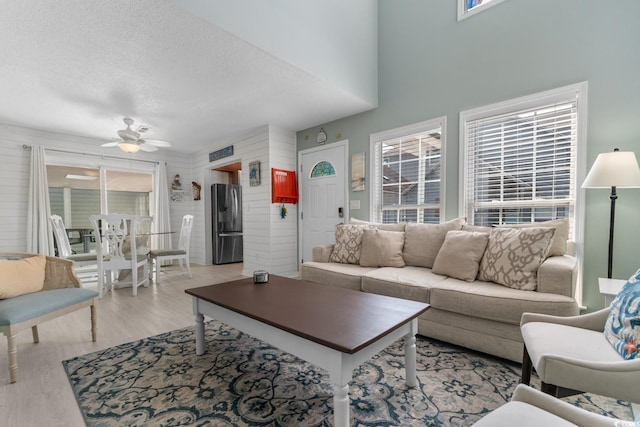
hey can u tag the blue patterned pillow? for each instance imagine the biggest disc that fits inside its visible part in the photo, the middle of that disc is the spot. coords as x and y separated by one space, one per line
623 324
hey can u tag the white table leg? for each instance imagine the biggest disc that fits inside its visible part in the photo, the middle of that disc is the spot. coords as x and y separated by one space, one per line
200 334
341 405
410 357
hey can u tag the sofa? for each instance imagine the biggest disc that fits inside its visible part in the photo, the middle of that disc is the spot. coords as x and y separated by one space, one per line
478 280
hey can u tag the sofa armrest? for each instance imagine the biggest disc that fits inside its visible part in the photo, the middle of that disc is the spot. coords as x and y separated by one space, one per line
558 275
594 321
322 253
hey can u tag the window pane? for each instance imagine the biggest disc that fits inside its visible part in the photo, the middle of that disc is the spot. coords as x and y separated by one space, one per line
409 175
520 166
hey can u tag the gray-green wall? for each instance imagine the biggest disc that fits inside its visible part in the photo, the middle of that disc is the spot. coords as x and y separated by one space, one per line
431 65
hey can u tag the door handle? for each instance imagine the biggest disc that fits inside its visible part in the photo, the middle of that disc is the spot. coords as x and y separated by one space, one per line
340 213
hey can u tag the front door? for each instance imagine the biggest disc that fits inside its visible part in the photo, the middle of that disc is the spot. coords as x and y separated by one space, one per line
323 181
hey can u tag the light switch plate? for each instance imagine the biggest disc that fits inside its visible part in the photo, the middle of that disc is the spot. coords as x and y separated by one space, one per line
354 204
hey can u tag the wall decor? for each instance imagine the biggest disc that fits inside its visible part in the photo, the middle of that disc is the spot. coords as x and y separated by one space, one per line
195 187
357 172
254 174
221 153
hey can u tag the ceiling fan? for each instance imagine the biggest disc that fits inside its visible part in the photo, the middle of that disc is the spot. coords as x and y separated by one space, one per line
130 141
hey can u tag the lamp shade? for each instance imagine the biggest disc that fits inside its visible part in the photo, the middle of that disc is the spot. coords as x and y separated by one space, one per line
129 147
614 169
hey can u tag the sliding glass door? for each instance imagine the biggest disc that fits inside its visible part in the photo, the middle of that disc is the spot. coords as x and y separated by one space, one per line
76 193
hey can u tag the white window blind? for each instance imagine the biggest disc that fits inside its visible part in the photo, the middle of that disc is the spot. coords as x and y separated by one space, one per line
520 166
407 169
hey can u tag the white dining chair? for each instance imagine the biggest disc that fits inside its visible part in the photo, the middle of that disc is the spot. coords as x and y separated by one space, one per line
85 265
117 250
181 253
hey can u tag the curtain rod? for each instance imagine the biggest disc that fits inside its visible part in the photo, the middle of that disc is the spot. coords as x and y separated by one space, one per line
101 156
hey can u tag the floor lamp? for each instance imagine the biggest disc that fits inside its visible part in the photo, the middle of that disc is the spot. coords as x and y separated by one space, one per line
613 170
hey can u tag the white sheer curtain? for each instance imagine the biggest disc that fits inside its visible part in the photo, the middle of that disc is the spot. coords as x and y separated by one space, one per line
162 220
39 237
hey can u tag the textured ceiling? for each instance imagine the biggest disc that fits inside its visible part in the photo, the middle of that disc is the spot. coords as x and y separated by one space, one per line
79 66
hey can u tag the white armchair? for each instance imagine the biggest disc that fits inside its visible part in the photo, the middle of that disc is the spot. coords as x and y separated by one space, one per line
573 352
531 408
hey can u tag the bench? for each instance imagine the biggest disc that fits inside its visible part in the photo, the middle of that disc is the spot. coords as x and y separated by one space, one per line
61 294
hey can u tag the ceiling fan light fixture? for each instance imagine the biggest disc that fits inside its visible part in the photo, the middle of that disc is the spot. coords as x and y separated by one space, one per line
129 147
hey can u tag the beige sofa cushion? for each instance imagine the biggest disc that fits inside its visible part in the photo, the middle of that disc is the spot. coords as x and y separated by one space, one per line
412 283
513 256
348 243
382 248
346 276
559 242
422 242
460 254
23 276
491 301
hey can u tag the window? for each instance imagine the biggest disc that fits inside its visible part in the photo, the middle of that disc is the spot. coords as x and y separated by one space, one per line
468 8
407 165
519 158
322 169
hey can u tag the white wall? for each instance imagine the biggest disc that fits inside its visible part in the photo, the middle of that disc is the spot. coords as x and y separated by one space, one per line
269 242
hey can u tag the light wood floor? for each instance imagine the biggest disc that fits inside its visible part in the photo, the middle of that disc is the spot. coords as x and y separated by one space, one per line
42 395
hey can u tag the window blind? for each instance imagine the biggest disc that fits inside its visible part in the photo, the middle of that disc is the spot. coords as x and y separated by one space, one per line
407 176
520 166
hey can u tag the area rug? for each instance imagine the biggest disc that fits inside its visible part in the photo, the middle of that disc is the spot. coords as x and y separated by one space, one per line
241 381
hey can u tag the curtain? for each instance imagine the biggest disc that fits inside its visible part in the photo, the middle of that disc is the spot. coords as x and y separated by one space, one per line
39 236
162 222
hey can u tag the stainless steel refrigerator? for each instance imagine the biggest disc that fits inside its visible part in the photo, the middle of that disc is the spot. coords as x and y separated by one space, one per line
226 214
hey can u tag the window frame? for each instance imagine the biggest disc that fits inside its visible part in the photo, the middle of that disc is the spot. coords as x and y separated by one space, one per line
577 92
375 194
463 12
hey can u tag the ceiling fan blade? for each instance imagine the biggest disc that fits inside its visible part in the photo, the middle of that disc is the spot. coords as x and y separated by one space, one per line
157 143
111 144
148 148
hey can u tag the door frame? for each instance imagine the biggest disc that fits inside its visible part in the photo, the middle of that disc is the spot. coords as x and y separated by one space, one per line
347 188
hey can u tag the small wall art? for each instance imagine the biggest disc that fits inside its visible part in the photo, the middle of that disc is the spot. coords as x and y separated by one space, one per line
357 172
254 173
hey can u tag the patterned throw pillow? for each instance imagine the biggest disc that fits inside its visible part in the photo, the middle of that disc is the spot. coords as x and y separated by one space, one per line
513 256
348 243
623 324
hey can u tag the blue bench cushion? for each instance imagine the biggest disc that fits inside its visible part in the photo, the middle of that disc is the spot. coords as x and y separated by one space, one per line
25 307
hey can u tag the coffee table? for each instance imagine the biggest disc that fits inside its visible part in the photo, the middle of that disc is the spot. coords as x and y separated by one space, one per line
333 328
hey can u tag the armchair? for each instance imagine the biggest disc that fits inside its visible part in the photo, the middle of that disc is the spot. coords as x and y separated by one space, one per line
573 352
531 408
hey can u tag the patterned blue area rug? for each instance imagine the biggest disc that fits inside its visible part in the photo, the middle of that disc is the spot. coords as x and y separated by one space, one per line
240 381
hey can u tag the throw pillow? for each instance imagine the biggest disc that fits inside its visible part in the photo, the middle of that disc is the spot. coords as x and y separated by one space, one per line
382 248
513 256
559 242
348 243
623 324
22 276
422 242
460 255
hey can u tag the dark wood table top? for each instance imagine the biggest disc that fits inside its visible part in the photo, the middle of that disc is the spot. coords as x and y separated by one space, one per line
342 319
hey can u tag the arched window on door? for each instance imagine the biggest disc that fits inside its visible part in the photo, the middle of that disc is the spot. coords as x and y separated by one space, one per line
322 168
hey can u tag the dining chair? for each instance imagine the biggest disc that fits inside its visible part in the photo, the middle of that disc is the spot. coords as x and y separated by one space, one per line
85 265
117 250
181 253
